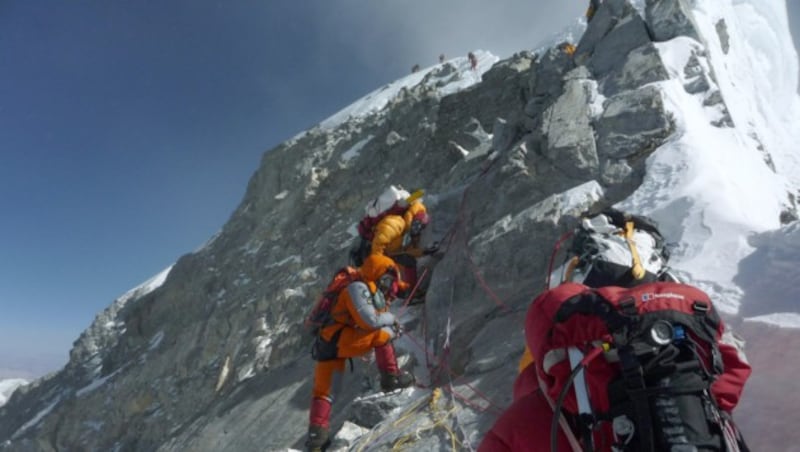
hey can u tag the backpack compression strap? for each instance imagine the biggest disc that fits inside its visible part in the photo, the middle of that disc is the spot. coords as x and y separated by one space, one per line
633 376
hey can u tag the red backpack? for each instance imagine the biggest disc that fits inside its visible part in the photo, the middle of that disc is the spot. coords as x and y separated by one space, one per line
366 227
320 315
640 369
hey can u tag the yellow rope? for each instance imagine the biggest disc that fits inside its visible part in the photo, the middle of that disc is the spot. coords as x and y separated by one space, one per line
438 417
437 393
407 415
637 270
439 420
402 419
571 266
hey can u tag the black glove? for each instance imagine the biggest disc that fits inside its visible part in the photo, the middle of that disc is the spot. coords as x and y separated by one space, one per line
397 328
431 249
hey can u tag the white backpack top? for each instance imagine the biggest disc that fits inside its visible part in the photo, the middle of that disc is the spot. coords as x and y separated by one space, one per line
391 196
607 244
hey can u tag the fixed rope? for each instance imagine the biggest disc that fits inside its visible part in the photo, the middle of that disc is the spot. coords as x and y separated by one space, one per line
436 364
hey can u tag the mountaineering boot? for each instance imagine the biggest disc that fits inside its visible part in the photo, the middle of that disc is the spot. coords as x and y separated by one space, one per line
318 438
391 376
399 380
318 431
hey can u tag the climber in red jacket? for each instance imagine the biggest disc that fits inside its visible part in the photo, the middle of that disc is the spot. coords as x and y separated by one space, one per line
671 327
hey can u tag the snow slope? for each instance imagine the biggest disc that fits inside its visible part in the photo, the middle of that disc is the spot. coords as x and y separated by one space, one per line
713 187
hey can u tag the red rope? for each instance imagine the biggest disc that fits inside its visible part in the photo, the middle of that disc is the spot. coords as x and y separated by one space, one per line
442 363
475 270
413 292
553 257
482 282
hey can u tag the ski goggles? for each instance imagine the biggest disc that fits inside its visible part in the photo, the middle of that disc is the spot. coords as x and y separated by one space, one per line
388 282
418 223
416 227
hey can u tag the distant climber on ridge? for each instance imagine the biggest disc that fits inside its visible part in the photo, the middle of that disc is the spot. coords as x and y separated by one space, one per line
359 322
567 47
473 61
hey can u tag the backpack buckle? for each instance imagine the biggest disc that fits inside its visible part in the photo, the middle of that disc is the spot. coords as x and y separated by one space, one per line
700 307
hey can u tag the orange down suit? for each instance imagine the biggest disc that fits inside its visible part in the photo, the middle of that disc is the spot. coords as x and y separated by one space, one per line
362 322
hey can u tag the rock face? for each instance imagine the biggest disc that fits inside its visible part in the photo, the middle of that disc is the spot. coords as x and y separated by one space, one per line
216 358
669 19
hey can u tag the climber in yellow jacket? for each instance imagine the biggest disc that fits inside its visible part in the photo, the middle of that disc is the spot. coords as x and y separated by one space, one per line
360 322
398 236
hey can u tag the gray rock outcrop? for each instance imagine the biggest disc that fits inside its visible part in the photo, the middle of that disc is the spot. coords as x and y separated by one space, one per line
668 19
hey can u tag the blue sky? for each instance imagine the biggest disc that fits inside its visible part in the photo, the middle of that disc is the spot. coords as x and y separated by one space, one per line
129 129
